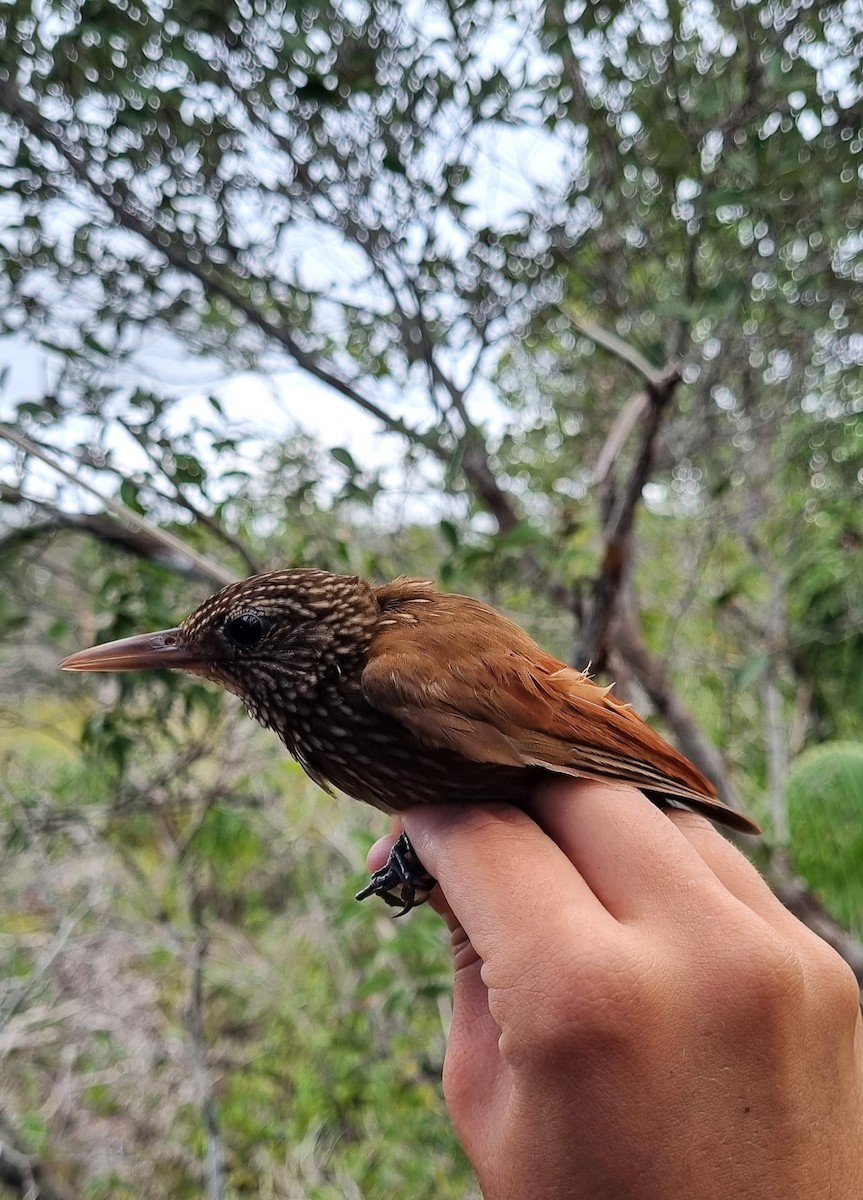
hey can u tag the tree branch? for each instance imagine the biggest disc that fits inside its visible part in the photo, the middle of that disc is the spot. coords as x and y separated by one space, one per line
23 1174
95 525
205 566
621 427
619 348
483 483
617 513
179 497
609 619
126 213
652 678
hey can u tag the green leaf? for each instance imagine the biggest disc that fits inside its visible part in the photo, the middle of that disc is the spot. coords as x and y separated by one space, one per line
130 496
345 459
450 533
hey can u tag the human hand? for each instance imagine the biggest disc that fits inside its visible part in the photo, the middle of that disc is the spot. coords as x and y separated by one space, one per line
635 1014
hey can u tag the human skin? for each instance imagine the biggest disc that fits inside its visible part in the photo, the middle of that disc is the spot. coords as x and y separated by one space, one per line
635 1015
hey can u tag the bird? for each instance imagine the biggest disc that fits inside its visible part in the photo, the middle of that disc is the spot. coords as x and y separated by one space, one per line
400 694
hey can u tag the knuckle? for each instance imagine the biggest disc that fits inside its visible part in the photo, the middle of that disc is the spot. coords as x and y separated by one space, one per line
587 1008
777 979
767 975
839 985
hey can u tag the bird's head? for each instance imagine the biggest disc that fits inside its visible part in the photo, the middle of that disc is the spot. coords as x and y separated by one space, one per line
269 639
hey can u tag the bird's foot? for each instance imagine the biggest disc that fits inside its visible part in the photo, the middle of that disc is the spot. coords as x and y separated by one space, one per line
402 882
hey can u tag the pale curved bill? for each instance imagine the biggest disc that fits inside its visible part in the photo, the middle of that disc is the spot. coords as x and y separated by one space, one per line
144 652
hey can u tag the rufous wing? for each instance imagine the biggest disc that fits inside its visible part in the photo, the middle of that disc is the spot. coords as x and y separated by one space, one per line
496 697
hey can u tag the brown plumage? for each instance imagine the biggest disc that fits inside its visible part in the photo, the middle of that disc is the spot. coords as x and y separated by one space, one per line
402 695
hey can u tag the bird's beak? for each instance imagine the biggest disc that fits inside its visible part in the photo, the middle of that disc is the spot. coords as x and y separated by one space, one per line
144 652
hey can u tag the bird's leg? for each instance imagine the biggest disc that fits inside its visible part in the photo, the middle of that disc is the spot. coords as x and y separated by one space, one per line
402 882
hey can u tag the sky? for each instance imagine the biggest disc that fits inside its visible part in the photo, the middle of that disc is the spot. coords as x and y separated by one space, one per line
277 401
280 404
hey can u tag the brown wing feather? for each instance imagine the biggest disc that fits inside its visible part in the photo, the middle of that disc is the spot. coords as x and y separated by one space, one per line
503 700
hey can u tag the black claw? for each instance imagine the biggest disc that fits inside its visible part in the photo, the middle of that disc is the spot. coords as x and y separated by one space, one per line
402 882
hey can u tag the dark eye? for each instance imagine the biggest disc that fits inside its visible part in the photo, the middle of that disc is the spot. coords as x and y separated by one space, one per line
245 630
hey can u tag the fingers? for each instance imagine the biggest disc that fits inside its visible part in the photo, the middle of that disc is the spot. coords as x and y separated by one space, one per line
377 857
732 868
504 880
473 1036
380 851
474 1030
622 845
475 1077
634 859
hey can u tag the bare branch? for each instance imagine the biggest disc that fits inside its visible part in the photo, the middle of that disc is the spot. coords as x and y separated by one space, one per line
617 512
483 482
610 617
104 528
621 428
652 678
619 348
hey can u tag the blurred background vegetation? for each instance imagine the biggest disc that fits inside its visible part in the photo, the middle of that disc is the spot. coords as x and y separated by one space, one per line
556 302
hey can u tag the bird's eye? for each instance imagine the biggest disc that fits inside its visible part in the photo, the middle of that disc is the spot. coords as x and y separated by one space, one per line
245 630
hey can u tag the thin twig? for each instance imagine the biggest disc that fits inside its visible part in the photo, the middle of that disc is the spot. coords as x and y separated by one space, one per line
179 497
214 1157
619 348
43 966
206 566
23 1174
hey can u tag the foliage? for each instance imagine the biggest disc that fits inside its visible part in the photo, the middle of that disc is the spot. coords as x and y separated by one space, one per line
825 808
323 1020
